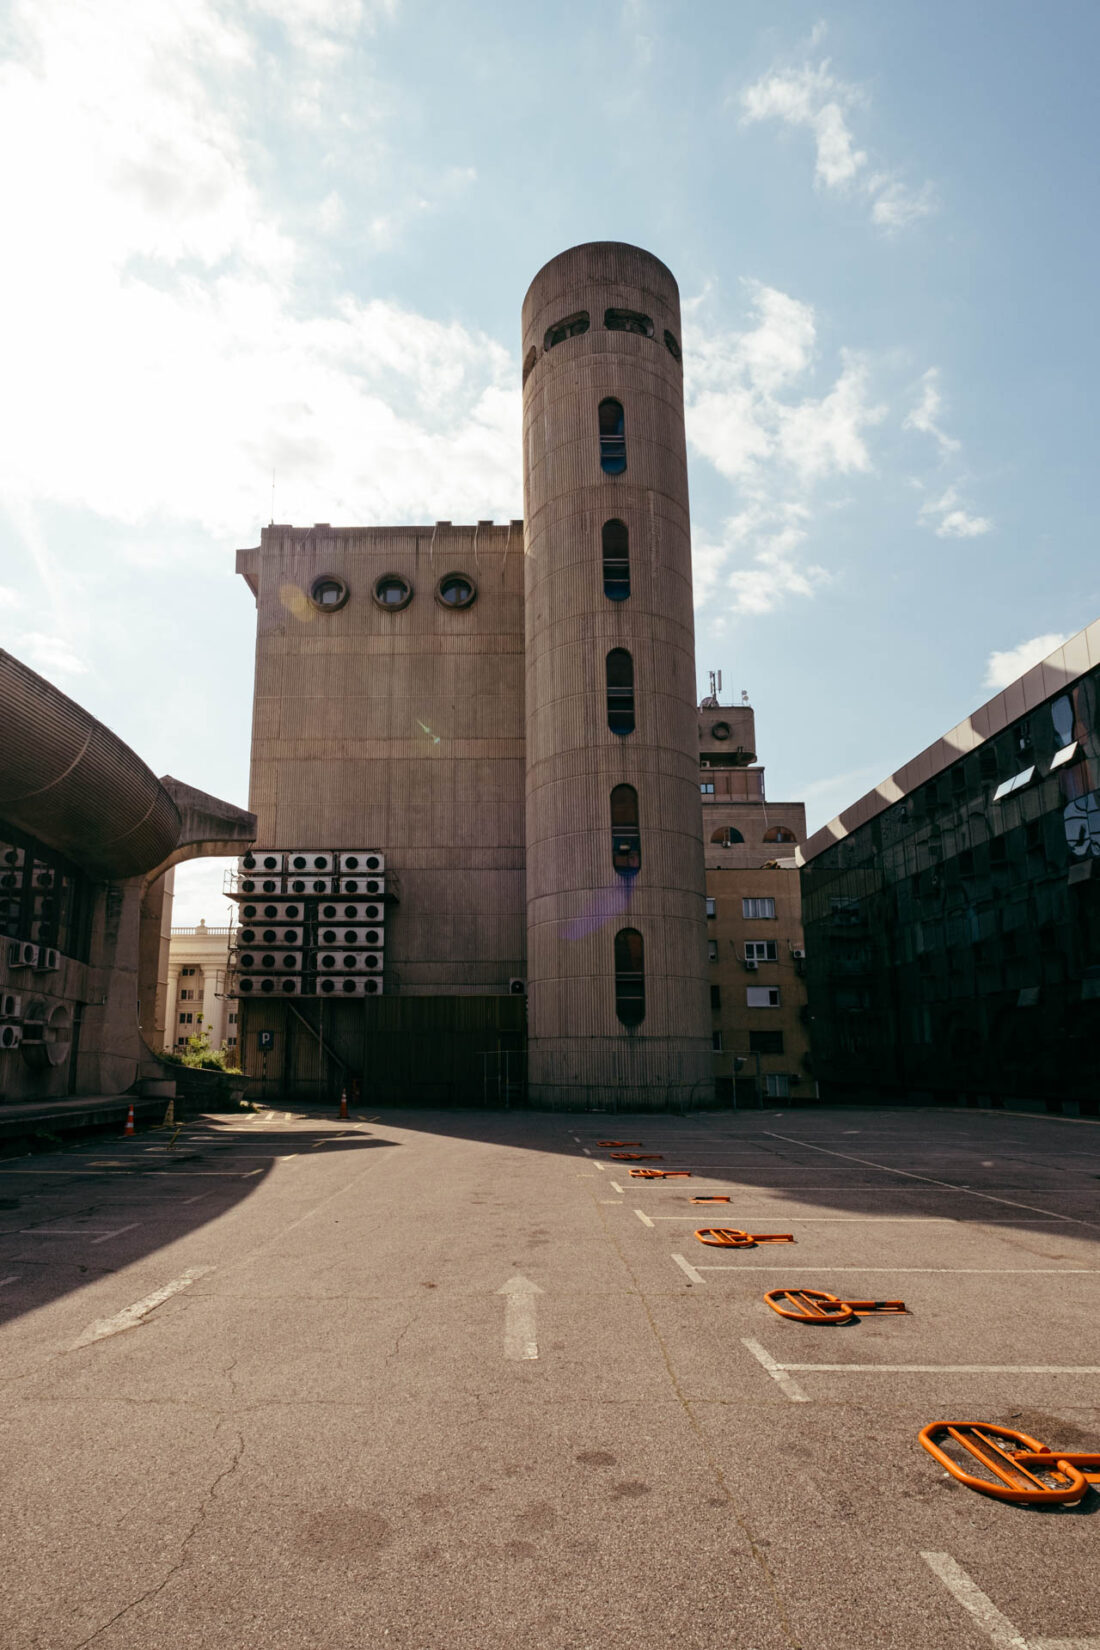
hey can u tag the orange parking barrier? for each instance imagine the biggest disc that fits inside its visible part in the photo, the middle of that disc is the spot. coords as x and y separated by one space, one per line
1018 1474
618 1142
728 1237
710 1200
660 1174
638 1157
817 1306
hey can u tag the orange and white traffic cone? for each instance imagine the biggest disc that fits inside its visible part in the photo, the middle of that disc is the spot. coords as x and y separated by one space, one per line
129 1129
343 1104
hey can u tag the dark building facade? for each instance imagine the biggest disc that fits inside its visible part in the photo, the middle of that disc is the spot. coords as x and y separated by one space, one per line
952 916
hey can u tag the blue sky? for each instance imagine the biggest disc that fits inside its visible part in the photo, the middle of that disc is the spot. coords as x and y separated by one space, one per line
295 234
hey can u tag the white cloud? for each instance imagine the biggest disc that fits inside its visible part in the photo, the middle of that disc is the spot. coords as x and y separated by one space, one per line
8 597
52 655
952 520
924 416
1004 668
813 98
750 411
174 297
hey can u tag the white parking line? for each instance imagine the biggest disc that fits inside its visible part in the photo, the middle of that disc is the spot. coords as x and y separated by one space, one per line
851 1220
617 1187
12 1277
777 1372
644 1218
685 1266
952 1271
931 1180
108 1235
131 1315
586 1151
599 1165
942 1369
1002 1634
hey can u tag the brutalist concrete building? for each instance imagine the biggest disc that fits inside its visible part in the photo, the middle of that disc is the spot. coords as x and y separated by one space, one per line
497 723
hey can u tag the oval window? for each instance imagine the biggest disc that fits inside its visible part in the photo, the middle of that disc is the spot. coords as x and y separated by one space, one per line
720 730
455 590
628 320
328 593
571 327
393 592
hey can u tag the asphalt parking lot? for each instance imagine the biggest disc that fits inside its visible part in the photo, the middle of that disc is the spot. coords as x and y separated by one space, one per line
435 1380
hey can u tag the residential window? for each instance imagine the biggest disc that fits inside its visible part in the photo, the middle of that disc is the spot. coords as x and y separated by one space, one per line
184 996
716 1041
760 951
761 996
626 840
616 561
777 1086
755 908
707 787
712 950
629 976
183 1019
232 1019
1016 783
187 970
620 691
765 1042
716 996
712 907
612 437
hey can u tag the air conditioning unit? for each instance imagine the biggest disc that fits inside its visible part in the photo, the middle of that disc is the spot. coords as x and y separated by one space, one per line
798 952
362 860
10 1036
44 879
48 959
333 985
310 887
271 985
263 861
269 962
11 856
256 911
365 887
332 961
11 1005
356 938
22 954
269 936
310 862
357 911
751 964
517 987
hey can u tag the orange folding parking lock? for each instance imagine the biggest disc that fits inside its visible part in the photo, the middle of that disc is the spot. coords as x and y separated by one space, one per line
728 1237
638 1157
1018 1474
710 1200
818 1306
659 1174
618 1142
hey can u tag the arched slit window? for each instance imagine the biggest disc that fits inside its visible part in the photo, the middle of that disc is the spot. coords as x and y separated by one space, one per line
779 833
616 560
628 320
626 840
571 327
726 836
629 977
612 437
620 691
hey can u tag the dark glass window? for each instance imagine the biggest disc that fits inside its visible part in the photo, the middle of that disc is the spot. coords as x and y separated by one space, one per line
456 590
620 691
612 437
328 593
716 996
616 560
393 591
765 1042
629 977
628 320
571 327
626 840
726 836
779 833
528 362
672 344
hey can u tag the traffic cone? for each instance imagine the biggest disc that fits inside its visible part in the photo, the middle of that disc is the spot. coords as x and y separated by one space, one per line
129 1129
343 1104
170 1116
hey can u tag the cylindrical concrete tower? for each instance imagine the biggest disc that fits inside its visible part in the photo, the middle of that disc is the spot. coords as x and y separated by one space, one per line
618 998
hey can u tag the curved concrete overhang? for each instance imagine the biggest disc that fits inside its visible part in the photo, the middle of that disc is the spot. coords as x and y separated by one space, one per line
71 783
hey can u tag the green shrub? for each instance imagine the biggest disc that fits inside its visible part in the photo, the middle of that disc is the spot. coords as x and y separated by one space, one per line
200 1056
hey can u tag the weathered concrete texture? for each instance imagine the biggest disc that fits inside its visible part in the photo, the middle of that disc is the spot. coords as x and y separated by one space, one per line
580 1054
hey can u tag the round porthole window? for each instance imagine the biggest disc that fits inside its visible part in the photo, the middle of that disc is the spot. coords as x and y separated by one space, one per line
393 592
455 590
328 593
720 730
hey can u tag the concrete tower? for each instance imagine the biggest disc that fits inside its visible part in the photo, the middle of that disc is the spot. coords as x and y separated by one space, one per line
618 996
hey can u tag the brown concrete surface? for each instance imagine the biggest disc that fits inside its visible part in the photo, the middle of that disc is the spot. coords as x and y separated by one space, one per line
320 1441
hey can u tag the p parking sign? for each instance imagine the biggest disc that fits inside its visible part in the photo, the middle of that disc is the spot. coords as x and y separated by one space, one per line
267 1041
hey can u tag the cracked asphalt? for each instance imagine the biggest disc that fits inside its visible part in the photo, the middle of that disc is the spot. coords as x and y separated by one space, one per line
290 1419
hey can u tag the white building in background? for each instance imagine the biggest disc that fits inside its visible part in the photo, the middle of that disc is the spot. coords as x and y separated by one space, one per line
196 988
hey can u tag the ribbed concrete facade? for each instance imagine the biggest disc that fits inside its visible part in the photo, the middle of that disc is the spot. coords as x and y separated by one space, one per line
581 1054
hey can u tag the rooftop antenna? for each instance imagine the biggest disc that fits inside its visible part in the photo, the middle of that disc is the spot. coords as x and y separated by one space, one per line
744 696
715 684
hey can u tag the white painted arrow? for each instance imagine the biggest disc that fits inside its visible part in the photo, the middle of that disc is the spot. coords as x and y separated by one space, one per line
519 1317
